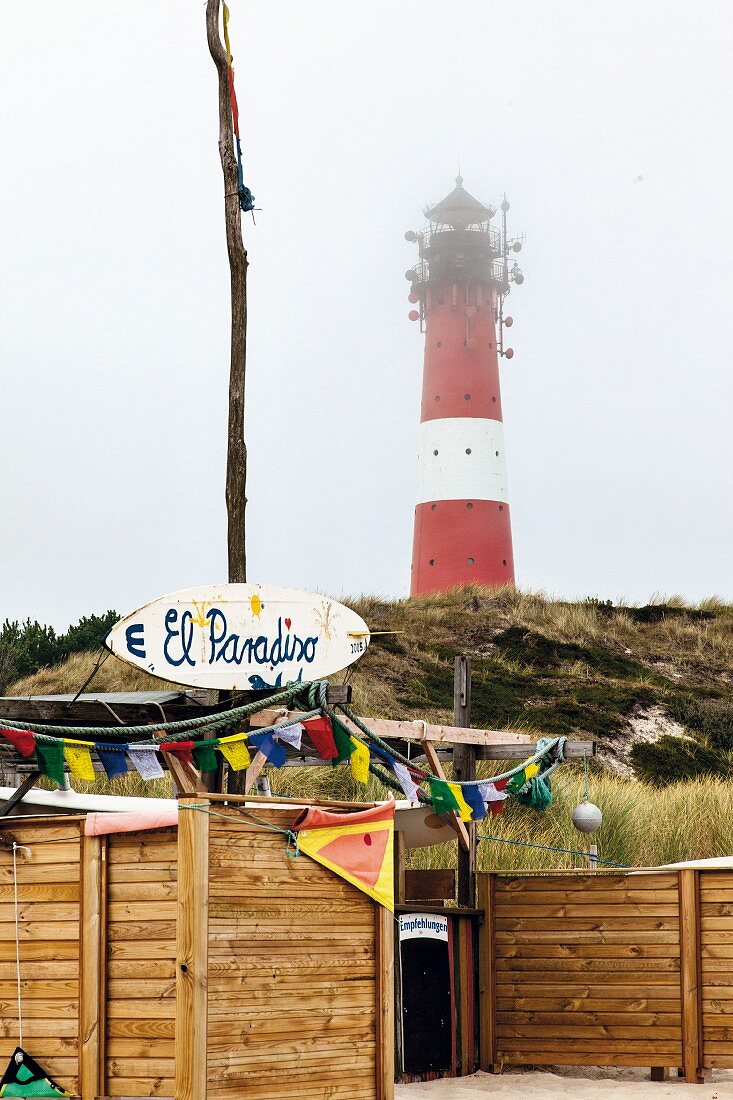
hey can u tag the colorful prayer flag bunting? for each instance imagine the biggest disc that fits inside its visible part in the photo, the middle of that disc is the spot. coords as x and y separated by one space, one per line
50 760
359 761
464 810
235 752
343 741
23 740
112 758
181 749
204 756
406 781
320 732
269 747
472 796
79 759
144 759
290 735
443 799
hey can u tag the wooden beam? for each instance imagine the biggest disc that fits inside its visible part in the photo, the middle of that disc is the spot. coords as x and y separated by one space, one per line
192 952
487 974
574 750
30 781
385 1061
92 921
394 730
186 778
254 770
690 976
453 818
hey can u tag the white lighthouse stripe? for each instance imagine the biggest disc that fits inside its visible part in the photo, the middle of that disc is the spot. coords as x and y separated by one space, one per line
462 458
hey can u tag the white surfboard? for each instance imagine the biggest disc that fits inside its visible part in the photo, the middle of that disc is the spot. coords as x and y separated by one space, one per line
240 637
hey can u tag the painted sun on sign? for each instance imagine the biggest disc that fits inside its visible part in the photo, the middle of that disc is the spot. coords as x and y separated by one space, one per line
240 637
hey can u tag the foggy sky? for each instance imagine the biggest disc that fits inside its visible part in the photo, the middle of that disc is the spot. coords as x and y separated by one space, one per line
608 126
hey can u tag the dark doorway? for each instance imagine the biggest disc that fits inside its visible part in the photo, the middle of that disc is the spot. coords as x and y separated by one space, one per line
427 1001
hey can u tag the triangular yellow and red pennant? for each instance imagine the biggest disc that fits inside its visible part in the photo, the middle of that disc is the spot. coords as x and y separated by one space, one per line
356 846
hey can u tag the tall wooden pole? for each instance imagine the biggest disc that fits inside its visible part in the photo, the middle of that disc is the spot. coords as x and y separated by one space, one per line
236 480
464 768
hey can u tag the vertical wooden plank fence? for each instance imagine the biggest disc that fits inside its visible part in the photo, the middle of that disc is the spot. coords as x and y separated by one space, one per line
628 969
584 970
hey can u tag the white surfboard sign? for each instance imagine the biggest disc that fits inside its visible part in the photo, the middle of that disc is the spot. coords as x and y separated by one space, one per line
240 637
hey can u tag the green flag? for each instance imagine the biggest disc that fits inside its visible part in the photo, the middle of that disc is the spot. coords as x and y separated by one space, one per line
443 799
50 761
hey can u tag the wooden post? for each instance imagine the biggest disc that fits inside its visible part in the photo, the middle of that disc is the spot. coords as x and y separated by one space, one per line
464 768
487 974
385 1067
690 976
92 921
192 951
236 480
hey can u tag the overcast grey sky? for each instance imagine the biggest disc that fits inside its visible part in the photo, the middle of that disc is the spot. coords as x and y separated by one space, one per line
607 124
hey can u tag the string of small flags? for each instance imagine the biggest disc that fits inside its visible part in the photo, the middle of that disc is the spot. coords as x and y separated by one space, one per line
332 741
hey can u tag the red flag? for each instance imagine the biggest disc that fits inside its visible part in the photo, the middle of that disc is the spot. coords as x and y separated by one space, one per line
182 750
320 732
23 740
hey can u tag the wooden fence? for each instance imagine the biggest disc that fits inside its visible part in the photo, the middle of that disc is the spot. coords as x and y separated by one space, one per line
197 963
608 969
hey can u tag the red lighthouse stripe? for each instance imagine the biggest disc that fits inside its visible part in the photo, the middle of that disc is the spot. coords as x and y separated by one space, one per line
461 542
461 374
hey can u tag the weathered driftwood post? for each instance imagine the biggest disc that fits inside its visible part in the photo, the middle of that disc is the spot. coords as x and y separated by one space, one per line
464 769
236 479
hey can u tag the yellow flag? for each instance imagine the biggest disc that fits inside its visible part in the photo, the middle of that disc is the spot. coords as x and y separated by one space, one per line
80 762
531 771
235 752
226 36
464 810
359 761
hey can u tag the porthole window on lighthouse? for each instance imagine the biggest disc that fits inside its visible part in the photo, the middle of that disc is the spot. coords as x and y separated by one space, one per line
435 452
467 397
470 561
469 506
468 450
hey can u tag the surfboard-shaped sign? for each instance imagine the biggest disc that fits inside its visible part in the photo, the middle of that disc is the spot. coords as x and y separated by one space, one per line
240 637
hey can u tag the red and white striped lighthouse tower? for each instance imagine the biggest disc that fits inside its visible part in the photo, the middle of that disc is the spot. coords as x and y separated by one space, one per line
462 526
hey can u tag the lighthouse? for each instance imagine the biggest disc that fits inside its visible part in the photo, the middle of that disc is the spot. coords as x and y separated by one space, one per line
462 529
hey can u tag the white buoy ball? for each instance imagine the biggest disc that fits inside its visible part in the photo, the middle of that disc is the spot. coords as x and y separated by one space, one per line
587 817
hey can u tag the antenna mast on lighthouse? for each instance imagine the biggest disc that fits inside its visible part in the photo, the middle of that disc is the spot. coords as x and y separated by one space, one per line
462 525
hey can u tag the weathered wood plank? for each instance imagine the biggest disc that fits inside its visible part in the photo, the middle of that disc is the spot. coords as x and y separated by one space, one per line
192 953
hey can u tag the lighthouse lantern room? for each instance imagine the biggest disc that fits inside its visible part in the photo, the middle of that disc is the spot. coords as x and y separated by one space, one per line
462 523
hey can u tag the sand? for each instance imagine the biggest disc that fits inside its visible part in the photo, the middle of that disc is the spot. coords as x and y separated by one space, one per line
606 1084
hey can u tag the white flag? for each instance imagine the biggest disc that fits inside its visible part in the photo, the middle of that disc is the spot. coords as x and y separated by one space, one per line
406 781
144 759
290 735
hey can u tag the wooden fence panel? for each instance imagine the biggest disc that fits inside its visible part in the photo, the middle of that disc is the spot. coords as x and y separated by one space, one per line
585 970
716 962
141 952
49 900
300 981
